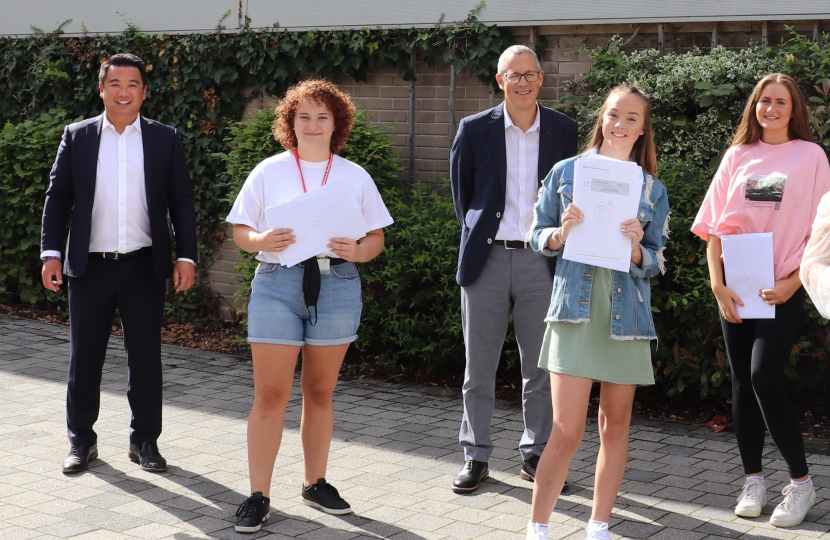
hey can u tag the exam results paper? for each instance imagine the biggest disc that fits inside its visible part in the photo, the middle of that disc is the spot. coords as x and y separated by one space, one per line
748 267
608 193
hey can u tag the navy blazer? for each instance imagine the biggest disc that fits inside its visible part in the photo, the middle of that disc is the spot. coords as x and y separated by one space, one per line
478 174
72 188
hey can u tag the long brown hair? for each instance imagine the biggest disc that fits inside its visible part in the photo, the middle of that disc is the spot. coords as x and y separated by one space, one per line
749 130
644 152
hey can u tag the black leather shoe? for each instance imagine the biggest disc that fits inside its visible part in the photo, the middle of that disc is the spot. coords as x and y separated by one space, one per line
469 478
147 454
528 471
79 458
529 465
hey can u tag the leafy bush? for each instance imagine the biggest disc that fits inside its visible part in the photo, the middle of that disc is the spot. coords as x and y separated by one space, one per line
24 150
685 313
411 308
697 97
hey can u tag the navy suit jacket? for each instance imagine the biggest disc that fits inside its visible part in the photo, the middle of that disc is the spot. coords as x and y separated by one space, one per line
478 174
72 188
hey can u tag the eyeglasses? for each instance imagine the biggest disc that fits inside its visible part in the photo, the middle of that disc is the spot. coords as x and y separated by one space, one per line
514 78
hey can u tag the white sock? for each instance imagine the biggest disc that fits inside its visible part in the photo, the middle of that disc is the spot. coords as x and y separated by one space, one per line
805 485
594 525
537 527
756 479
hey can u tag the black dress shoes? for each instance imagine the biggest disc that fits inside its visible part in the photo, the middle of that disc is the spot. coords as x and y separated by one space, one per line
528 471
147 454
470 476
529 465
79 458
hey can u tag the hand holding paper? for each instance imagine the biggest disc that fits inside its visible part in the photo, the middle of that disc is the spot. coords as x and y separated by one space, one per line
276 239
316 217
345 248
728 302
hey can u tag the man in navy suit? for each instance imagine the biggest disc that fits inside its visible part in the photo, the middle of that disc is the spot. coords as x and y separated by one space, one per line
120 175
497 162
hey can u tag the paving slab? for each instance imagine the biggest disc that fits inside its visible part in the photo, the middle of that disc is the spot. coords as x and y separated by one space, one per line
393 457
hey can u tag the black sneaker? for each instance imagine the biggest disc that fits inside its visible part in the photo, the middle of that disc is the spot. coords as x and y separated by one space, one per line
253 513
324 496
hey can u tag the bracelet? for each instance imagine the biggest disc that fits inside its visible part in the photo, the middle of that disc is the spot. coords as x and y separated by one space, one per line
50 258
557 235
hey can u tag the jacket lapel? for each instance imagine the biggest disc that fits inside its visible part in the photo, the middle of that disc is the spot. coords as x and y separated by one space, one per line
93 131
545 144
499 146
146 141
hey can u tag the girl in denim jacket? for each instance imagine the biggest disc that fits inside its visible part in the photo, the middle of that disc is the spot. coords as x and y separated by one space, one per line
599 324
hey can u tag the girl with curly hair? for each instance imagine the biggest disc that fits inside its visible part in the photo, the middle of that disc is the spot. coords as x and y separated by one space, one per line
313 122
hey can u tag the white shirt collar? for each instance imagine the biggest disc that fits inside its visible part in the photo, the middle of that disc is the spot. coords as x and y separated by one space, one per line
508 122
107 123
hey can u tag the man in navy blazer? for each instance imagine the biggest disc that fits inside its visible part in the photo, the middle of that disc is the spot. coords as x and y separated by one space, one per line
498 160
119 175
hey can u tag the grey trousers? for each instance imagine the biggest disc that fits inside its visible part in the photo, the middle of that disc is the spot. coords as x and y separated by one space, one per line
516 281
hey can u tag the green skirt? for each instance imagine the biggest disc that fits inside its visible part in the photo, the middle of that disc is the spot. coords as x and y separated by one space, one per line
586 349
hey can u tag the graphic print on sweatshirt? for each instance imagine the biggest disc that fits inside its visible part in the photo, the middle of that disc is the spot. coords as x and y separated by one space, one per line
765 190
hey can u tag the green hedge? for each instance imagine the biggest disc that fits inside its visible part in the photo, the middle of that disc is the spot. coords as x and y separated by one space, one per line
24 150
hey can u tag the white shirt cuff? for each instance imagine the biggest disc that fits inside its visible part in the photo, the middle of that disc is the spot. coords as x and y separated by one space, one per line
50 253
187 260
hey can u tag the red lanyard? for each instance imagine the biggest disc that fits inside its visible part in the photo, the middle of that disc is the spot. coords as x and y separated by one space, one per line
325 176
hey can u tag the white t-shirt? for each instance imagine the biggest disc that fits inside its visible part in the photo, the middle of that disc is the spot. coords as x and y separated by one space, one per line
277 180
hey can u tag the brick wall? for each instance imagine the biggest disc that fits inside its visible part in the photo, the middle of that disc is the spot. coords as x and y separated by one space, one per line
386 97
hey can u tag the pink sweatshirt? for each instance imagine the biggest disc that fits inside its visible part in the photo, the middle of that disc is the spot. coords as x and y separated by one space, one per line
773 188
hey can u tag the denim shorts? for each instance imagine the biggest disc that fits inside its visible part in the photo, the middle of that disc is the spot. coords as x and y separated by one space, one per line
277 313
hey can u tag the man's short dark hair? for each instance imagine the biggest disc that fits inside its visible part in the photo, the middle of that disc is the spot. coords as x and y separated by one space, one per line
123 60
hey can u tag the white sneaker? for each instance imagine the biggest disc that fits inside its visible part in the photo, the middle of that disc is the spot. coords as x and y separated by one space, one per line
536 531
793 509
597 532
752 498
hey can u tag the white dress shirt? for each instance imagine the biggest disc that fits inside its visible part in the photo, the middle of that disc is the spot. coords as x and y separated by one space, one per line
522 185
120 218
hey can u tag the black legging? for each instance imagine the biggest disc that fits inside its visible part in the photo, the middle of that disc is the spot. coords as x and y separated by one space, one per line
758 352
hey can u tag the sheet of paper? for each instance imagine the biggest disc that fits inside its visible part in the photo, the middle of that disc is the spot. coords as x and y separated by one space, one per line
748 268
316 217
608 193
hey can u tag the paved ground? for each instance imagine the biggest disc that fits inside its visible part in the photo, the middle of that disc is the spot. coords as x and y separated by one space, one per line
393 459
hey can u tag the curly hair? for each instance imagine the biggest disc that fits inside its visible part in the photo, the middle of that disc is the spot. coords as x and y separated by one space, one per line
323 93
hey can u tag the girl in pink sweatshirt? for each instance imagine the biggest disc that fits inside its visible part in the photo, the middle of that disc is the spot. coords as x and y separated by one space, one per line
771 179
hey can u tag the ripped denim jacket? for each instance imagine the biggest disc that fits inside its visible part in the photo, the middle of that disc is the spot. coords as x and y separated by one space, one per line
631 299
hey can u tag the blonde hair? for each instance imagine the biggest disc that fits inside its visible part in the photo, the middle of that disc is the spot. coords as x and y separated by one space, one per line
644 151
